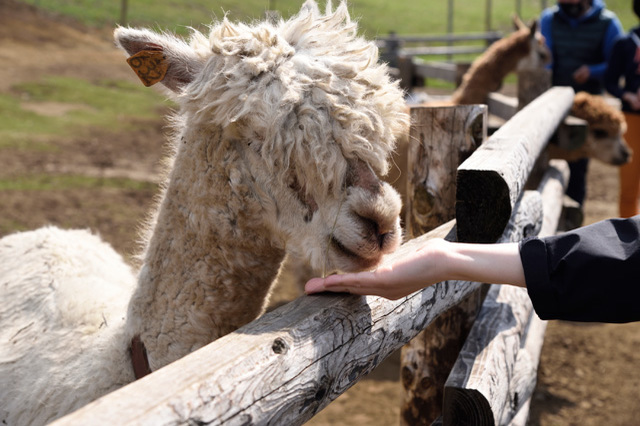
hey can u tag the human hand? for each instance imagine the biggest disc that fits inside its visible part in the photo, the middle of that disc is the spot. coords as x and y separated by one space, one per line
393 280
582 74
435 261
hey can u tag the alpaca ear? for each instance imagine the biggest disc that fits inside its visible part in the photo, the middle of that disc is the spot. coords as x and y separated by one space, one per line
159 58
517 22
533 27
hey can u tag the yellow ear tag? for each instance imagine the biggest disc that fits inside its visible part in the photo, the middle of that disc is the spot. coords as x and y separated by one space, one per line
150 65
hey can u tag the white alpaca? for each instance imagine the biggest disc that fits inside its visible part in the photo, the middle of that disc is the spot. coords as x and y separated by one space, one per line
281 133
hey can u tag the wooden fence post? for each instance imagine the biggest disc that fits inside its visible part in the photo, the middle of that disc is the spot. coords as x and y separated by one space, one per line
124 9
531 84
440 139
495 374
406 71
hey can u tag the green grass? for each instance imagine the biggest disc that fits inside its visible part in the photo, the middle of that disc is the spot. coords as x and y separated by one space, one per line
377 17
107 103
62 182
15 122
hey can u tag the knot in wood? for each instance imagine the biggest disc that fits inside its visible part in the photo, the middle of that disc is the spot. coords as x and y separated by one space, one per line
279 346
407 375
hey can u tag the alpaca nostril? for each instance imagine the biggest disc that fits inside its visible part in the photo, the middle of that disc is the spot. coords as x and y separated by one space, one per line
375 231
370 226
382 238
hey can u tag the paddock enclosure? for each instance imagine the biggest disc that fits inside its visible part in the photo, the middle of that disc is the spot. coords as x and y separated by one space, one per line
344 310
293 361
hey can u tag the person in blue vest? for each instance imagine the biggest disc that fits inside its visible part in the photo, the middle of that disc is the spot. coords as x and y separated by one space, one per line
580 35
625 62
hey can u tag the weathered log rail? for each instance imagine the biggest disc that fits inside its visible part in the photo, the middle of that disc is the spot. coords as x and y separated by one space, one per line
492 179
394 46
287 365
292 362
403 53
495 373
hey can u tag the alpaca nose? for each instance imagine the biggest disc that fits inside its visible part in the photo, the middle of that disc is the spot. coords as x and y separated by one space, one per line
380 230
625 156
376 206
378 213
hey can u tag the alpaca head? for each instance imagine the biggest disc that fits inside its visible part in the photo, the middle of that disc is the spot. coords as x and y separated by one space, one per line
310 116
606 129
537 54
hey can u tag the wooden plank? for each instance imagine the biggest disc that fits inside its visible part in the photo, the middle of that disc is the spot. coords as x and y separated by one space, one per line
522 418
571 134
441 50
406 72
441 70
552 188
525 373
430 38
492 179
478 388
440 139
446 71
502 106
288 364
531 84
495 373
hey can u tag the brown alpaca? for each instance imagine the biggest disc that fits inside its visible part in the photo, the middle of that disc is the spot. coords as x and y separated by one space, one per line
523 48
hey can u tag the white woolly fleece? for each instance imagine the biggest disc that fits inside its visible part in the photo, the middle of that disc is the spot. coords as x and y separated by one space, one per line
64 299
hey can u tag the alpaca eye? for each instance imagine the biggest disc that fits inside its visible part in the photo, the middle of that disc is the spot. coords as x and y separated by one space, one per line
599 133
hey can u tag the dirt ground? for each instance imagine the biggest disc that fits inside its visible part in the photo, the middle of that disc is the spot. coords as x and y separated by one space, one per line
586 375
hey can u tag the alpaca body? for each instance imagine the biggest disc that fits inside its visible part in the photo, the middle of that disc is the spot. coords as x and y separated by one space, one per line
281 135
524 48
71 290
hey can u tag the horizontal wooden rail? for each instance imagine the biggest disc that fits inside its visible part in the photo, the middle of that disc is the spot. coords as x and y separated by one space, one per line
570 134
492 179
446 71
441 50
440 38
288 364
502 106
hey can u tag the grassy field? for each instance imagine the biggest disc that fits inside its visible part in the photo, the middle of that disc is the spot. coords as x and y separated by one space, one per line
377 17
84 104
94 104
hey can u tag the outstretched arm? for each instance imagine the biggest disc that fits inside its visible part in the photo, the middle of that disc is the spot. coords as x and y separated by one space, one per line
438 260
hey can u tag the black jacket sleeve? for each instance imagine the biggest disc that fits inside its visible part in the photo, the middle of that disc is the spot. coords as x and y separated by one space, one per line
588 274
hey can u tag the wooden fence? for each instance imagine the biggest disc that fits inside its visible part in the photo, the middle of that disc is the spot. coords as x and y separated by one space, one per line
289 364
401 53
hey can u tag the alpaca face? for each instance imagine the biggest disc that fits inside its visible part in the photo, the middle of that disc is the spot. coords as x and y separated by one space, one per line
607 147
607 126
309 116
539 54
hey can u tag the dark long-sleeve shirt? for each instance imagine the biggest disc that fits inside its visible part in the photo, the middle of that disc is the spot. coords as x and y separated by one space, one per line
588 274
624 62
